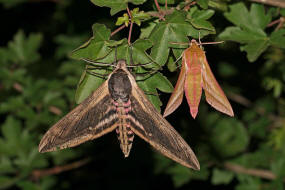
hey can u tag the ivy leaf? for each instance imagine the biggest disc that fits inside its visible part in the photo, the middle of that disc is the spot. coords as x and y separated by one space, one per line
27 185
229 141
198 18
149 86
182 175
95 48
203 3
116 5
277 38
23 50
139 16
123 20
88 82
221 177
249 29
173 29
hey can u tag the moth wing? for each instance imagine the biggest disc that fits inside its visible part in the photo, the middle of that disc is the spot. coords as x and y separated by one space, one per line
148 124
177 94
214 94
91 119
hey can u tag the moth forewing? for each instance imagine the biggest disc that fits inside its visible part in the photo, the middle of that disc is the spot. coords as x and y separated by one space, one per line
148 124
85 122
177 94
213 92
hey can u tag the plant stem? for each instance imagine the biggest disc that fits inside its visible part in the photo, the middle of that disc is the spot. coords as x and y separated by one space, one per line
131 26
157 6
266 174
277 3
37 174
118 29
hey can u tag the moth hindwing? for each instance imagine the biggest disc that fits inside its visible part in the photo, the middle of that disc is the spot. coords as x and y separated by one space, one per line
119 104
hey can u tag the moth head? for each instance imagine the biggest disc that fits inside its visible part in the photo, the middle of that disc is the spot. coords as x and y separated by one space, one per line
121 64
119 86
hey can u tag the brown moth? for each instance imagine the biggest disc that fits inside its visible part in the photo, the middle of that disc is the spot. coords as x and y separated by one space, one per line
119 104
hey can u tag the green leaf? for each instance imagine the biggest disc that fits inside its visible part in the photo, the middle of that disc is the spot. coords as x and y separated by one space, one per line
249 183
139 16
12 3
97 47
146 31
173 29
221 177
203 3
249 30
229 137
6 165
116 5
182 175
149 86
88 83
27 185
278 167
24 49
6 182
198 18
277 38
169 2
282 12
11 131
123 20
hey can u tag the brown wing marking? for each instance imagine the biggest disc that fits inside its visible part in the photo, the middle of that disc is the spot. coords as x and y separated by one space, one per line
148 124
91 119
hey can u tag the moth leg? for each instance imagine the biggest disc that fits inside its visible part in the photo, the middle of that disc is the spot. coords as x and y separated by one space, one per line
104 76
145 75
94 63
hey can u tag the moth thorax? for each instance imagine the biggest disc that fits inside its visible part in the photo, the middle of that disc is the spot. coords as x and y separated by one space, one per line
120 86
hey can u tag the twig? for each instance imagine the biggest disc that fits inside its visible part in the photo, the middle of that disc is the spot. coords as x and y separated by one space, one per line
37 174
188 5
55 110
279 21
157 6
261 111
274 22
131 26
277 3
118 29
18 87
254 172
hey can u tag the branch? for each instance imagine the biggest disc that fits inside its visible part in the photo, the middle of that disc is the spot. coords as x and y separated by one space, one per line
157 6
254 172
118 29
37 174
277 3
278 121
131 26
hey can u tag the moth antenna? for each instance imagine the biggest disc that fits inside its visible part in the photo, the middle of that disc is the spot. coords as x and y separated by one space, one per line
178 59
207 43
179 43
199 39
